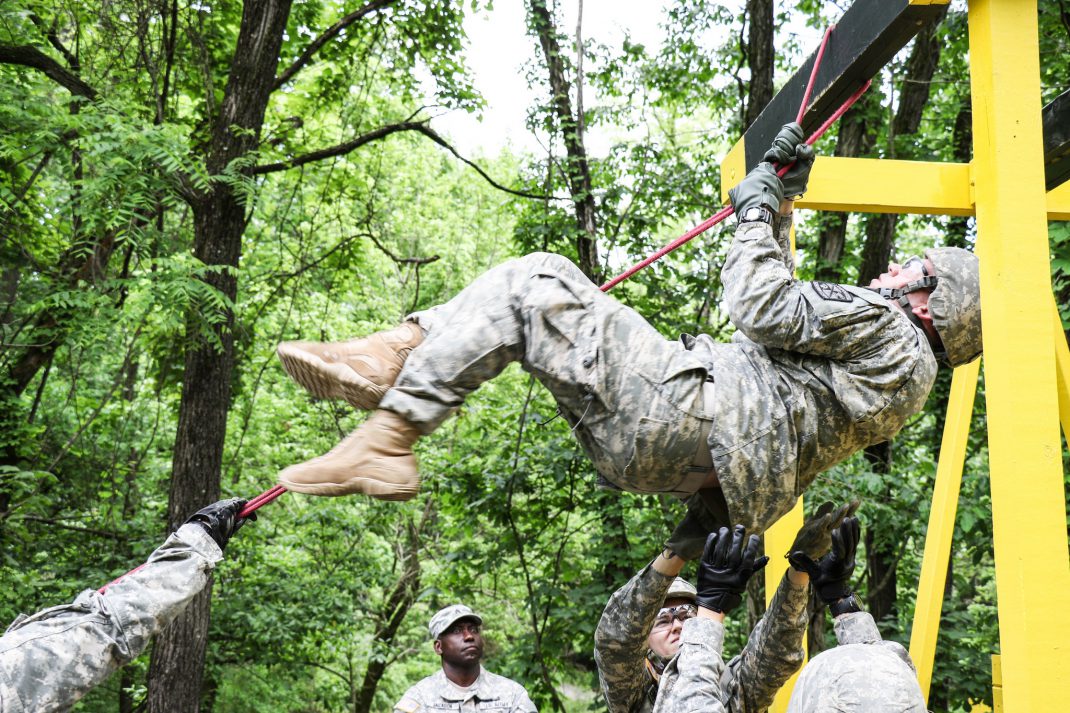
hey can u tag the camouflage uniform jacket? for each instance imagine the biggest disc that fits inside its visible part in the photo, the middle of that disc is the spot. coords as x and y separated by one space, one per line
51 659
747 684
490 692
862 675
815 372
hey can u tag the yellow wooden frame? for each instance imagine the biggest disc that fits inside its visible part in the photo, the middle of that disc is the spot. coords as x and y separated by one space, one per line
1027 382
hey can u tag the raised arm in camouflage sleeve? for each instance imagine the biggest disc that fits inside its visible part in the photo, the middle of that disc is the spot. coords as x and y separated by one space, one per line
691 681
620 643
51 659
773 653
772 308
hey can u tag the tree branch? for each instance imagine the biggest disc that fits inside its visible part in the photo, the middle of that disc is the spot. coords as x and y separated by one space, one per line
326 37
29 56
382 132
76 528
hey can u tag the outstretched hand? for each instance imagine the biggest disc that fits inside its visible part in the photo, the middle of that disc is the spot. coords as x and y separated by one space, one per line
729 560
830 575
221 519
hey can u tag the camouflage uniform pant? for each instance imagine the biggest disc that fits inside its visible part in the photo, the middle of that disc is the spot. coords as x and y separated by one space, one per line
634 398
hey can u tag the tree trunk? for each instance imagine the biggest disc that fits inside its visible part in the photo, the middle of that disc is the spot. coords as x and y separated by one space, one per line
177 665
577 166
397 605
760 59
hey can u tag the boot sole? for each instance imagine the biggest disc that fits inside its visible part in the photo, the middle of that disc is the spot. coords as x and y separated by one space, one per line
367 486
329 381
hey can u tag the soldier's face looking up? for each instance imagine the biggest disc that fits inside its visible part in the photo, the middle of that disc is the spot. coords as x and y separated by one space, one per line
664 638
461 645
900 275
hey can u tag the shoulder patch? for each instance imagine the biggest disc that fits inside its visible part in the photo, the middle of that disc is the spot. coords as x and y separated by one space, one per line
832 292
407 705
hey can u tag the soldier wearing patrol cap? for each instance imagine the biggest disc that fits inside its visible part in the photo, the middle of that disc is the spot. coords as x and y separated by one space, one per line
815 372
462 684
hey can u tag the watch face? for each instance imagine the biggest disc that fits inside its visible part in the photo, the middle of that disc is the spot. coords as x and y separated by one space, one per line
755 213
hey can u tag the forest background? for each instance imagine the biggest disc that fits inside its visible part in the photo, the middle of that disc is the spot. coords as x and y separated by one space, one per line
184 185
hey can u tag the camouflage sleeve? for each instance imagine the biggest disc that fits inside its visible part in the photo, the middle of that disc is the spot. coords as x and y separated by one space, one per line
51 659
773 652
691 681
768 305
783 239
856 628
522 703
620 638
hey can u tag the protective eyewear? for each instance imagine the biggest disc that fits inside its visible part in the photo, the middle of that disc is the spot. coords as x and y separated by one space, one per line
668 615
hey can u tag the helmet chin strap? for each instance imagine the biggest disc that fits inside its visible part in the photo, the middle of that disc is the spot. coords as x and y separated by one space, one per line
899 296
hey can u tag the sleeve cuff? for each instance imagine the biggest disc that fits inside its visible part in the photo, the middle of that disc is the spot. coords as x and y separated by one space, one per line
200 542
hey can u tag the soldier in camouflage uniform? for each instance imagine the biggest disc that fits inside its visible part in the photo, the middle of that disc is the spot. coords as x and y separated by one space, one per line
864 674
51 659
815 372
645 627
462 684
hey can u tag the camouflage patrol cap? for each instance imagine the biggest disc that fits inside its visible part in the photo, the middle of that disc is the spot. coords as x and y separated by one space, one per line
446 617
681 589
955 304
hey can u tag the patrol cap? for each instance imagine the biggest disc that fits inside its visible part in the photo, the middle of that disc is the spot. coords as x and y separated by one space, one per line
955 304
681 589
445 618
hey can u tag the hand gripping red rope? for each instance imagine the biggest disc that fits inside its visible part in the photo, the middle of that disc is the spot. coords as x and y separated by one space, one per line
271 494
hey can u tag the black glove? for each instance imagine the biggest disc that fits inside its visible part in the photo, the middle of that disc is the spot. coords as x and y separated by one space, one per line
815 536
830 575
789 147
725 568
759 187
220 520
688 540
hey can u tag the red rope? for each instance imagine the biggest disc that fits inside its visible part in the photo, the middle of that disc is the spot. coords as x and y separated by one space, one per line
272 493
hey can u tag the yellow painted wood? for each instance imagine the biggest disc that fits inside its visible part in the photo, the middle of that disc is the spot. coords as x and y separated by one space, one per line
997 685
871 185
733 169
1059 202
942 522
778 539
1062 374
1028 500
929 2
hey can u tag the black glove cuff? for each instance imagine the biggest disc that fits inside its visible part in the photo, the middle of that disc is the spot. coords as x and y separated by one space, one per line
719 601
845 605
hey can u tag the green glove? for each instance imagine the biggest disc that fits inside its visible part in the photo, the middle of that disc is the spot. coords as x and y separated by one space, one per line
789 148
815 536
689 538
759 187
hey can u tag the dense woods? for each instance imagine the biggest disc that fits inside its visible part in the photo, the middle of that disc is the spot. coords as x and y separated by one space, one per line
184 185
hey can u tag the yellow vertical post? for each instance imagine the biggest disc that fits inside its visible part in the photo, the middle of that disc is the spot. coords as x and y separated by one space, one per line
942 523
1028 500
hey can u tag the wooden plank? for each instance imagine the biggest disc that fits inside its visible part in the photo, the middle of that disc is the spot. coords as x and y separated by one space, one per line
1055 118
868 35
870 185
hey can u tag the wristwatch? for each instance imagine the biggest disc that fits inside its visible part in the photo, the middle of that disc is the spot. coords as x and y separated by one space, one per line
757 214
846 605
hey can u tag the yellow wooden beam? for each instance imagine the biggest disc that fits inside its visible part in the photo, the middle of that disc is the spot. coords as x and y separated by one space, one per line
871 185
1062 373
942 522
778 539
1028 498
1059 202
733 169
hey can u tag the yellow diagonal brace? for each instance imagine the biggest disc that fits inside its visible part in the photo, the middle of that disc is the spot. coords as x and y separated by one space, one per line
942 522
1028 496
778 539
1062 373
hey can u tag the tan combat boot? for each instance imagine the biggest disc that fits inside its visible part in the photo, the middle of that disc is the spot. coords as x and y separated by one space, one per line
359 370
376 459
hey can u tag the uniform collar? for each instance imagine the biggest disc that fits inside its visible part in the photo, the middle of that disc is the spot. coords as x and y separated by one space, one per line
449 690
